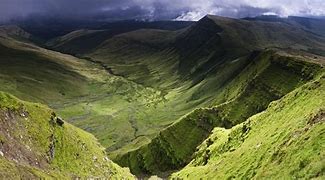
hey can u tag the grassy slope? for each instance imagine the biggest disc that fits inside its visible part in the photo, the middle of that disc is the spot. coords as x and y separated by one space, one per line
18 73
74 42
152 93
29 134
87 95
310 24
285 141
142 56
69 84
190 69
267 78
165 59
215 39
84 41
134 56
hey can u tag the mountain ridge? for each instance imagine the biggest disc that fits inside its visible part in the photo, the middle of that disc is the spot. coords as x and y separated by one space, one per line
173 147
173 90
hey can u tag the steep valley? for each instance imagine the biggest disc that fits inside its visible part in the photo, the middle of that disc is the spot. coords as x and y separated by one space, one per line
179 102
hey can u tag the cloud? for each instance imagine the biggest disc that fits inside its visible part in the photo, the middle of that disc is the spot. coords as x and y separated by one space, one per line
158 9
245 8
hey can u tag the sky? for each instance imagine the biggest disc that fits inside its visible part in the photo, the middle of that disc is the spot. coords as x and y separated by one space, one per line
157 9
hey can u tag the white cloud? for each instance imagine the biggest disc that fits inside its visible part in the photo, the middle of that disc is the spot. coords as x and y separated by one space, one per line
190 16
243 8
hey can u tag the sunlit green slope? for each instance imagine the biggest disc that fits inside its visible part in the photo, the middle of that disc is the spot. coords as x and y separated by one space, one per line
286 141
35 143
70 85
166 89
267 78
87 94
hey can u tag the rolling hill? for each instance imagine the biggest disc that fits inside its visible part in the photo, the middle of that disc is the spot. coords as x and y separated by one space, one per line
75 87
204 45
210 56
82 41
315 25
48 28
268 77
178 89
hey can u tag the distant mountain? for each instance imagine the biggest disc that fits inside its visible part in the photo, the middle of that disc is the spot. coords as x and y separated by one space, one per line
316 25
214 38
267 34
49 28
14 32
206 44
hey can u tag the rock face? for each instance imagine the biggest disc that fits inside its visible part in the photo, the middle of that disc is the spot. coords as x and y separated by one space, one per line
59 121
52 148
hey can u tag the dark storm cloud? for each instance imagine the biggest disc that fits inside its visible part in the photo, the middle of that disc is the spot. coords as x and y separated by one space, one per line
158 9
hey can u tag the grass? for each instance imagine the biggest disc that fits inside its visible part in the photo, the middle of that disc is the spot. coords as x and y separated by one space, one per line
27 74
105 105
174 146
76 153
285 142
168 89
76 88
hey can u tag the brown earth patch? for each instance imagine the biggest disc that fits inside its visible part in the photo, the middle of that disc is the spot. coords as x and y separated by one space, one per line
15 143
318 118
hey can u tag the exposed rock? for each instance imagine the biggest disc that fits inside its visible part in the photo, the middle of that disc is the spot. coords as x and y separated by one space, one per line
155 178
1 153
59 121
209 142
24 114
52 148
53 118
53 114
318 118
95 158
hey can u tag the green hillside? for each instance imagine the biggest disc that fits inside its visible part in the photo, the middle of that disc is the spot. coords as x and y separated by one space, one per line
216 39
85 39
80 41
206 60
315 25
152 96
88 95
198 49
286 141
35 144
267 78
